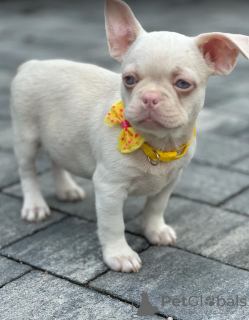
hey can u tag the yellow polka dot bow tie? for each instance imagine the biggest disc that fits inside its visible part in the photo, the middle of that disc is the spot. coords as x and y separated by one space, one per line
129 140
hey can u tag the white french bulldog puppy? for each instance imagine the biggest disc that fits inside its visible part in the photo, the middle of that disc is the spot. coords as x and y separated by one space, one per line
62 105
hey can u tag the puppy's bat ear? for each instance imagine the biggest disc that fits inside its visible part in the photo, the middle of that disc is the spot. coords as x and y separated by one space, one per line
122 28
220 50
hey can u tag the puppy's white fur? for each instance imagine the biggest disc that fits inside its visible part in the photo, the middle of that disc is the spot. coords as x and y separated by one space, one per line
62 104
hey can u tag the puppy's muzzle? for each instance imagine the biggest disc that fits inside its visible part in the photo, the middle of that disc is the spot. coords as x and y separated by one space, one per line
151 100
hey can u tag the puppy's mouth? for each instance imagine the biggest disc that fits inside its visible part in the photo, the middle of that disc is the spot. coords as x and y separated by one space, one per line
153 123
150 124
155 120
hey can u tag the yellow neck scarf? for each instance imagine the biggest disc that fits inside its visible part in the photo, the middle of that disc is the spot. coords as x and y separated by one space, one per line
129 140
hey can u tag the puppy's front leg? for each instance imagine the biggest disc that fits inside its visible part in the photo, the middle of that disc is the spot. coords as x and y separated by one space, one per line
110 196
155 229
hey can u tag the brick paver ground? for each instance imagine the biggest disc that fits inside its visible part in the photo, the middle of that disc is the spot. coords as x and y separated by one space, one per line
54 269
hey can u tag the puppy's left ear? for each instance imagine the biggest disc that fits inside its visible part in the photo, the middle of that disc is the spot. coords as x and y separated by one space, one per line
122 28
220 50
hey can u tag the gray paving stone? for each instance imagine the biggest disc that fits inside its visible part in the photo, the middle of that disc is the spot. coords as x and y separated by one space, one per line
57 38
38 49
9 61
242 165
222 123
40 296
227 93
239 104
4 106
239 203
208 231
10 173
209 184
240 85
216 92
84 209
214 149
222 91
10 270
5 81
6 136
175 273
244 136
70 249
12 227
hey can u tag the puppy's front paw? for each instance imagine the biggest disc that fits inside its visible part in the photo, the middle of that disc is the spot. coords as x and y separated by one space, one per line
162 235
35 211
124 260
75 193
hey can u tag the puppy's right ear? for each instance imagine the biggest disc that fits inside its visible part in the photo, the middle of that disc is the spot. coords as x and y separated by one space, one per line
122 28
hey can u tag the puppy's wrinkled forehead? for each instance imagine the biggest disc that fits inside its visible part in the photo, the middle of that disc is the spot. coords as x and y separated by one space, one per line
162 53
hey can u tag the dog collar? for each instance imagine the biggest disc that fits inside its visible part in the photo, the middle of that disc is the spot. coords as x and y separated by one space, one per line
129 140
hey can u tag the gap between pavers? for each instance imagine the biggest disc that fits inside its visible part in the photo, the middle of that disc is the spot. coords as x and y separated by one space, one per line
42 296
12 227
174 274
222 123
69 249
242 165
216 150
239 203
204 230
209 184
11 270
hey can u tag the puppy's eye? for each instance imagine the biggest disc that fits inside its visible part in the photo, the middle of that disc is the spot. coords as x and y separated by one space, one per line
130 81
183 84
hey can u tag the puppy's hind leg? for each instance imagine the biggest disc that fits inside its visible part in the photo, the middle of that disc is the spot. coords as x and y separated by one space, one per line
66 188
34 206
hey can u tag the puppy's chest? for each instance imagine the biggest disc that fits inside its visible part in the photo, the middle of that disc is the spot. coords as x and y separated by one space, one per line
154 180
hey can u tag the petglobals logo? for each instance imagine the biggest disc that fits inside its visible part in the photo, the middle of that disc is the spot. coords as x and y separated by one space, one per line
146 308
200 301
